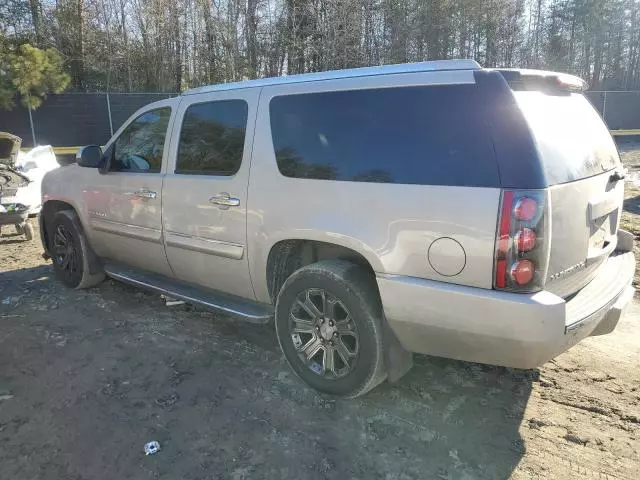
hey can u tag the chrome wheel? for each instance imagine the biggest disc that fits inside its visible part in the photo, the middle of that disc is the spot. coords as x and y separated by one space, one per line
65 251
324 333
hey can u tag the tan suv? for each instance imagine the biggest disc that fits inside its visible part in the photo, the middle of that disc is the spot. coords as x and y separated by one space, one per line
436 207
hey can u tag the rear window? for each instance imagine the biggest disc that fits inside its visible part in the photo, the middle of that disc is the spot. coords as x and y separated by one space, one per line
435 135
573 141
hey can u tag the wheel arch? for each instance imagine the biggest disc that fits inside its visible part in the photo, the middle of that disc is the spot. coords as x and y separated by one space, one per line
48 211
288 255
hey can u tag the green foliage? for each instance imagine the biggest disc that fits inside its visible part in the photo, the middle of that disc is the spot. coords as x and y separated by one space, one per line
30 74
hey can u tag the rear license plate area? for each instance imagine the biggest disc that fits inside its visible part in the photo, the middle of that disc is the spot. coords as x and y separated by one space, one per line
600 232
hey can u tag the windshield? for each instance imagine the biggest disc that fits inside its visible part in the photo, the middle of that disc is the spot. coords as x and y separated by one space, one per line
573 141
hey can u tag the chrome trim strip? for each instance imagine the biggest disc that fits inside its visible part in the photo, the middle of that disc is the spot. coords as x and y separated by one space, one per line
138 232
187 298
204 245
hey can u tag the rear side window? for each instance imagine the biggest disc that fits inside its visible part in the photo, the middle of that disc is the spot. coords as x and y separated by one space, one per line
435 135
212 138
573 141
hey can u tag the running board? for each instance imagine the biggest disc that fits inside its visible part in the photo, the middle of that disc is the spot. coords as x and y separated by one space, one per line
247 310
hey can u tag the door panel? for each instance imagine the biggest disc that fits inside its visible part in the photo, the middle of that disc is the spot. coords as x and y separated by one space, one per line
124 205
205 191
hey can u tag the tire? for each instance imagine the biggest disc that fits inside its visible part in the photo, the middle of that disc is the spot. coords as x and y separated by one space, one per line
28 231
346 324
71 254
19 229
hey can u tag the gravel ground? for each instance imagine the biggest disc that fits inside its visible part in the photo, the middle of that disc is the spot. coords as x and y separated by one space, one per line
630 152
87 377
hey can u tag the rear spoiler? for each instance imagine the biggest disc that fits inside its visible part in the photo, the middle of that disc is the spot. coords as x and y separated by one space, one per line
548 82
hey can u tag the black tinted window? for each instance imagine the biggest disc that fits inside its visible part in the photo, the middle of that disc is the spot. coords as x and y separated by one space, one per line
139 147
212 138
434 135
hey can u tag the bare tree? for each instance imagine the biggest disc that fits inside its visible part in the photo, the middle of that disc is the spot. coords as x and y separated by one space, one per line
168 45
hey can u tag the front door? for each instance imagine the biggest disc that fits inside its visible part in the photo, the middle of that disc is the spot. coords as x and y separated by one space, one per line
124 205
205 191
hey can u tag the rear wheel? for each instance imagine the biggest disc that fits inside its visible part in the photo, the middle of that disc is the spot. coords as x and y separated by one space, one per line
19 229
71 253
329 325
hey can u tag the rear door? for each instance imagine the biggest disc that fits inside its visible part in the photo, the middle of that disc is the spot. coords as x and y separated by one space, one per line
205 190
581 164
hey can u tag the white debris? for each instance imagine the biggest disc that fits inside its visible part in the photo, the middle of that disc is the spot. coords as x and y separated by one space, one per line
170 301
151 448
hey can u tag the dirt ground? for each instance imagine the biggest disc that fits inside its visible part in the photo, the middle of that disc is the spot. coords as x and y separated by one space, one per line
88 377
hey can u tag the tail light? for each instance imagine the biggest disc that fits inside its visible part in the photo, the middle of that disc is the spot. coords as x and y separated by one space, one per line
522 241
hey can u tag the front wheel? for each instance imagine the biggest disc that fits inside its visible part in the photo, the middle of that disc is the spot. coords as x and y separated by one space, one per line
329 325
71 253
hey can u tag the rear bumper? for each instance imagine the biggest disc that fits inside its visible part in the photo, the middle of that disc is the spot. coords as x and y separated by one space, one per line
509 329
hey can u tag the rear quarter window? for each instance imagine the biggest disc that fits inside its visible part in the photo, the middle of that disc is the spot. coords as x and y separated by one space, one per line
432 135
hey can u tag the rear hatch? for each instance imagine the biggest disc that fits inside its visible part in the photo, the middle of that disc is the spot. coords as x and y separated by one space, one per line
584 174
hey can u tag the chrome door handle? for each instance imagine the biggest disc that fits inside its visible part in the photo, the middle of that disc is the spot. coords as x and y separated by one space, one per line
225 200
145 194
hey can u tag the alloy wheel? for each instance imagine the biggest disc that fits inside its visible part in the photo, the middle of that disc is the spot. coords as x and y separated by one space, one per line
324 333
65 250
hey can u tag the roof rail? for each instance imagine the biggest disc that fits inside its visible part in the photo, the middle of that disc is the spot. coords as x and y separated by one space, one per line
434 65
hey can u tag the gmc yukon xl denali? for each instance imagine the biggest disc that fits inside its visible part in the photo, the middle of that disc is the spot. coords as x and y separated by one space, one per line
434 207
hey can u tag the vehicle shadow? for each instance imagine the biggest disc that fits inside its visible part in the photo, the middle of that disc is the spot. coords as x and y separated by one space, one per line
632 205
444 419
11 241
463 419
18 278
237 400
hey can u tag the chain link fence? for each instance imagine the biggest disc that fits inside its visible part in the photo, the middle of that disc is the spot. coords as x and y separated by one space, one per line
620 110
73 119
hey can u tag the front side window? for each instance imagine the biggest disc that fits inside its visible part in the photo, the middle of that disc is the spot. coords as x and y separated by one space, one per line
139 147
212 138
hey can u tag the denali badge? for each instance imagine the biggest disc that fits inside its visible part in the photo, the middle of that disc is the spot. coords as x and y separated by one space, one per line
569 270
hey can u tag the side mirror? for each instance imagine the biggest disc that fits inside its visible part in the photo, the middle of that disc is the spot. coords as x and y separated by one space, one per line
89 156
